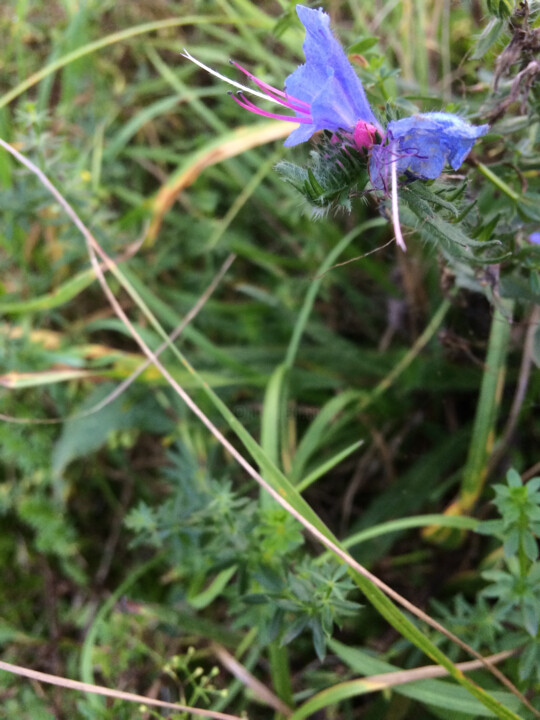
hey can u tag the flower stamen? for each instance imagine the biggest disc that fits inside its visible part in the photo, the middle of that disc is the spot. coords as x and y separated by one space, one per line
241 100
291 102
215 73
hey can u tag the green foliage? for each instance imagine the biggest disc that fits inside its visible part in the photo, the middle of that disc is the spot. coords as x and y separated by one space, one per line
519 526
506 611
131 544
204 528
310 598
501 8
440 697
449 225
133 412
516 588
334 171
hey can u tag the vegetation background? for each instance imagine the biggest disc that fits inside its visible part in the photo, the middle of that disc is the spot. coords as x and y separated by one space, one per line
392 390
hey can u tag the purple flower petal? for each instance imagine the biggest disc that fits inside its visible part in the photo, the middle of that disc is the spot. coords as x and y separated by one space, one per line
423 144
534 237
326 81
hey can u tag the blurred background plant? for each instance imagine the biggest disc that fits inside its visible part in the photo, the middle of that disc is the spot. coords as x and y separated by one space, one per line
132 547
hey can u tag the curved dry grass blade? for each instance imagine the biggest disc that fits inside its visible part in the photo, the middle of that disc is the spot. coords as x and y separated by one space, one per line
108 692
246 678
14 380
401 677
231 145
383 682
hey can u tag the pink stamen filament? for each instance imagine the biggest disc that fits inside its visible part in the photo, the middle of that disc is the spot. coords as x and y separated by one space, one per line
292 102
248 105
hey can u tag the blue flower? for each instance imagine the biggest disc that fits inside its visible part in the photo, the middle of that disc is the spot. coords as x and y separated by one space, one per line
423 144
534 237
326 94
326 82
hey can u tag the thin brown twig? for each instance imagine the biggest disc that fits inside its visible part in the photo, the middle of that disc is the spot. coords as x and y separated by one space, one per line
115 530
246 678
354 259
531 472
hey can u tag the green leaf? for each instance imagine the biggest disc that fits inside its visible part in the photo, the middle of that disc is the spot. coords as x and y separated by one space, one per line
269 578
53 535
325 467
135 409
362 45
529 206
530 546
216 587
334 170
295 628
319 639
488 38
500 8
63 294
513 478
432 226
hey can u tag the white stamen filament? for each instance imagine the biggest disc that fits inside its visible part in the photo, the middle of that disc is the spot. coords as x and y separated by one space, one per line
228 80
395 209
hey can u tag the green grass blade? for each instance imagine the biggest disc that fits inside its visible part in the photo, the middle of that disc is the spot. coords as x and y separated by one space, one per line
63 294
86 664
120 36
491 389
122 138
453 521
271 416
325 467
216 587
319 429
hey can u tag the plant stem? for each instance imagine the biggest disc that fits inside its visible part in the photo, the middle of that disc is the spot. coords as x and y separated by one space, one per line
496 180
